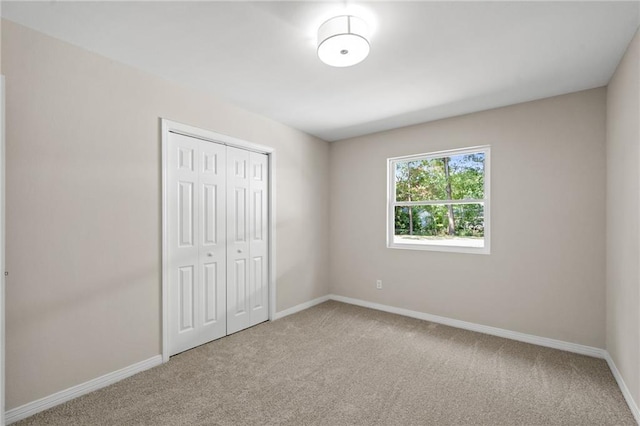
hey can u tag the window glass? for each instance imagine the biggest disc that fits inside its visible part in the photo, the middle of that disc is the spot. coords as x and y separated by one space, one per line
439 200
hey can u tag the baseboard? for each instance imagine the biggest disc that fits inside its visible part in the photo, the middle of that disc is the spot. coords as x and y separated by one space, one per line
300 307
623 388
57 398
42 404
508 334
494 331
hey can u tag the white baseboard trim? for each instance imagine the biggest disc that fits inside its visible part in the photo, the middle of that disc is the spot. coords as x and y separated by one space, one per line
300 307
494 331
508 334
623 388
42 404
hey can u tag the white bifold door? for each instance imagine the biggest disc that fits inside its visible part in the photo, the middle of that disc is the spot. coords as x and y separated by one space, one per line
218 240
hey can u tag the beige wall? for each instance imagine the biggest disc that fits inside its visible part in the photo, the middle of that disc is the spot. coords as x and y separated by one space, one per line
84 202
623 218
546 272
83 215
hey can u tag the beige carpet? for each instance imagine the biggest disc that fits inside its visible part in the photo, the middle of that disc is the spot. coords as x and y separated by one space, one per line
337 364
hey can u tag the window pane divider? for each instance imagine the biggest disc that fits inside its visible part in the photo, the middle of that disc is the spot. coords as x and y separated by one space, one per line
436 202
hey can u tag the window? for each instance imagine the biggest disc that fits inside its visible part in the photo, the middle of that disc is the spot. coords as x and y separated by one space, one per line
440 201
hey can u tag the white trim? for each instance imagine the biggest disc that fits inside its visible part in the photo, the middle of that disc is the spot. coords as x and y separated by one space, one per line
623 387
272 236
438 203
210 136
494 331
2 249
57 398
168 126
486 202
165 241
440 154
441 248
301 307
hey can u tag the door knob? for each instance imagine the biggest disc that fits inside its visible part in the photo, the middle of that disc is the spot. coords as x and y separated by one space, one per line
210 254
239 250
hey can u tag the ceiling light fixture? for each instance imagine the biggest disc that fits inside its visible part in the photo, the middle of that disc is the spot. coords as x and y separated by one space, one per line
342 41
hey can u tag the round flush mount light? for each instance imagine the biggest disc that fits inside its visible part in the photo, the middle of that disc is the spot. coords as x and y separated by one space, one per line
342 41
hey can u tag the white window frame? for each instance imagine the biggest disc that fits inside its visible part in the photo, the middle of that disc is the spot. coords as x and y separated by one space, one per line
392 203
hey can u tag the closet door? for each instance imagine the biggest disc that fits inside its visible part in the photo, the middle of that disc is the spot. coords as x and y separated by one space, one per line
218 240
247 239
213 242
238 256
196 198
259 237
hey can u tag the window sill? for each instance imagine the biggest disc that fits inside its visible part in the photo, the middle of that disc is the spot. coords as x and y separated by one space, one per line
463 245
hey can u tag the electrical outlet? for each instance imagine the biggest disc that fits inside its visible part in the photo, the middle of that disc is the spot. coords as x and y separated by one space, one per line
379 284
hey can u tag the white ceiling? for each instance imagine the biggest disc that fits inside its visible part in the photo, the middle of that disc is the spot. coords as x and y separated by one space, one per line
429 60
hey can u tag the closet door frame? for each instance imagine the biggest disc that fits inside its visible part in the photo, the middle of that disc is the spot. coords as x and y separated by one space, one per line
167 127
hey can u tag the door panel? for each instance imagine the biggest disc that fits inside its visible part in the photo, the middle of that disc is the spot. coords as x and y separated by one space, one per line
186 219
238 275
210 292
187 308
259 244
240 215
212 247
240 285
183 251
209 214
258 268
196 249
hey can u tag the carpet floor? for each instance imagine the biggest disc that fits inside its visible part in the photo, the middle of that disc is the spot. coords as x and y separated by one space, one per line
337 364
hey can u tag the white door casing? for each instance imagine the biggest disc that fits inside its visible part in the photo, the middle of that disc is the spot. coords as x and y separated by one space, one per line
2 249
204 174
